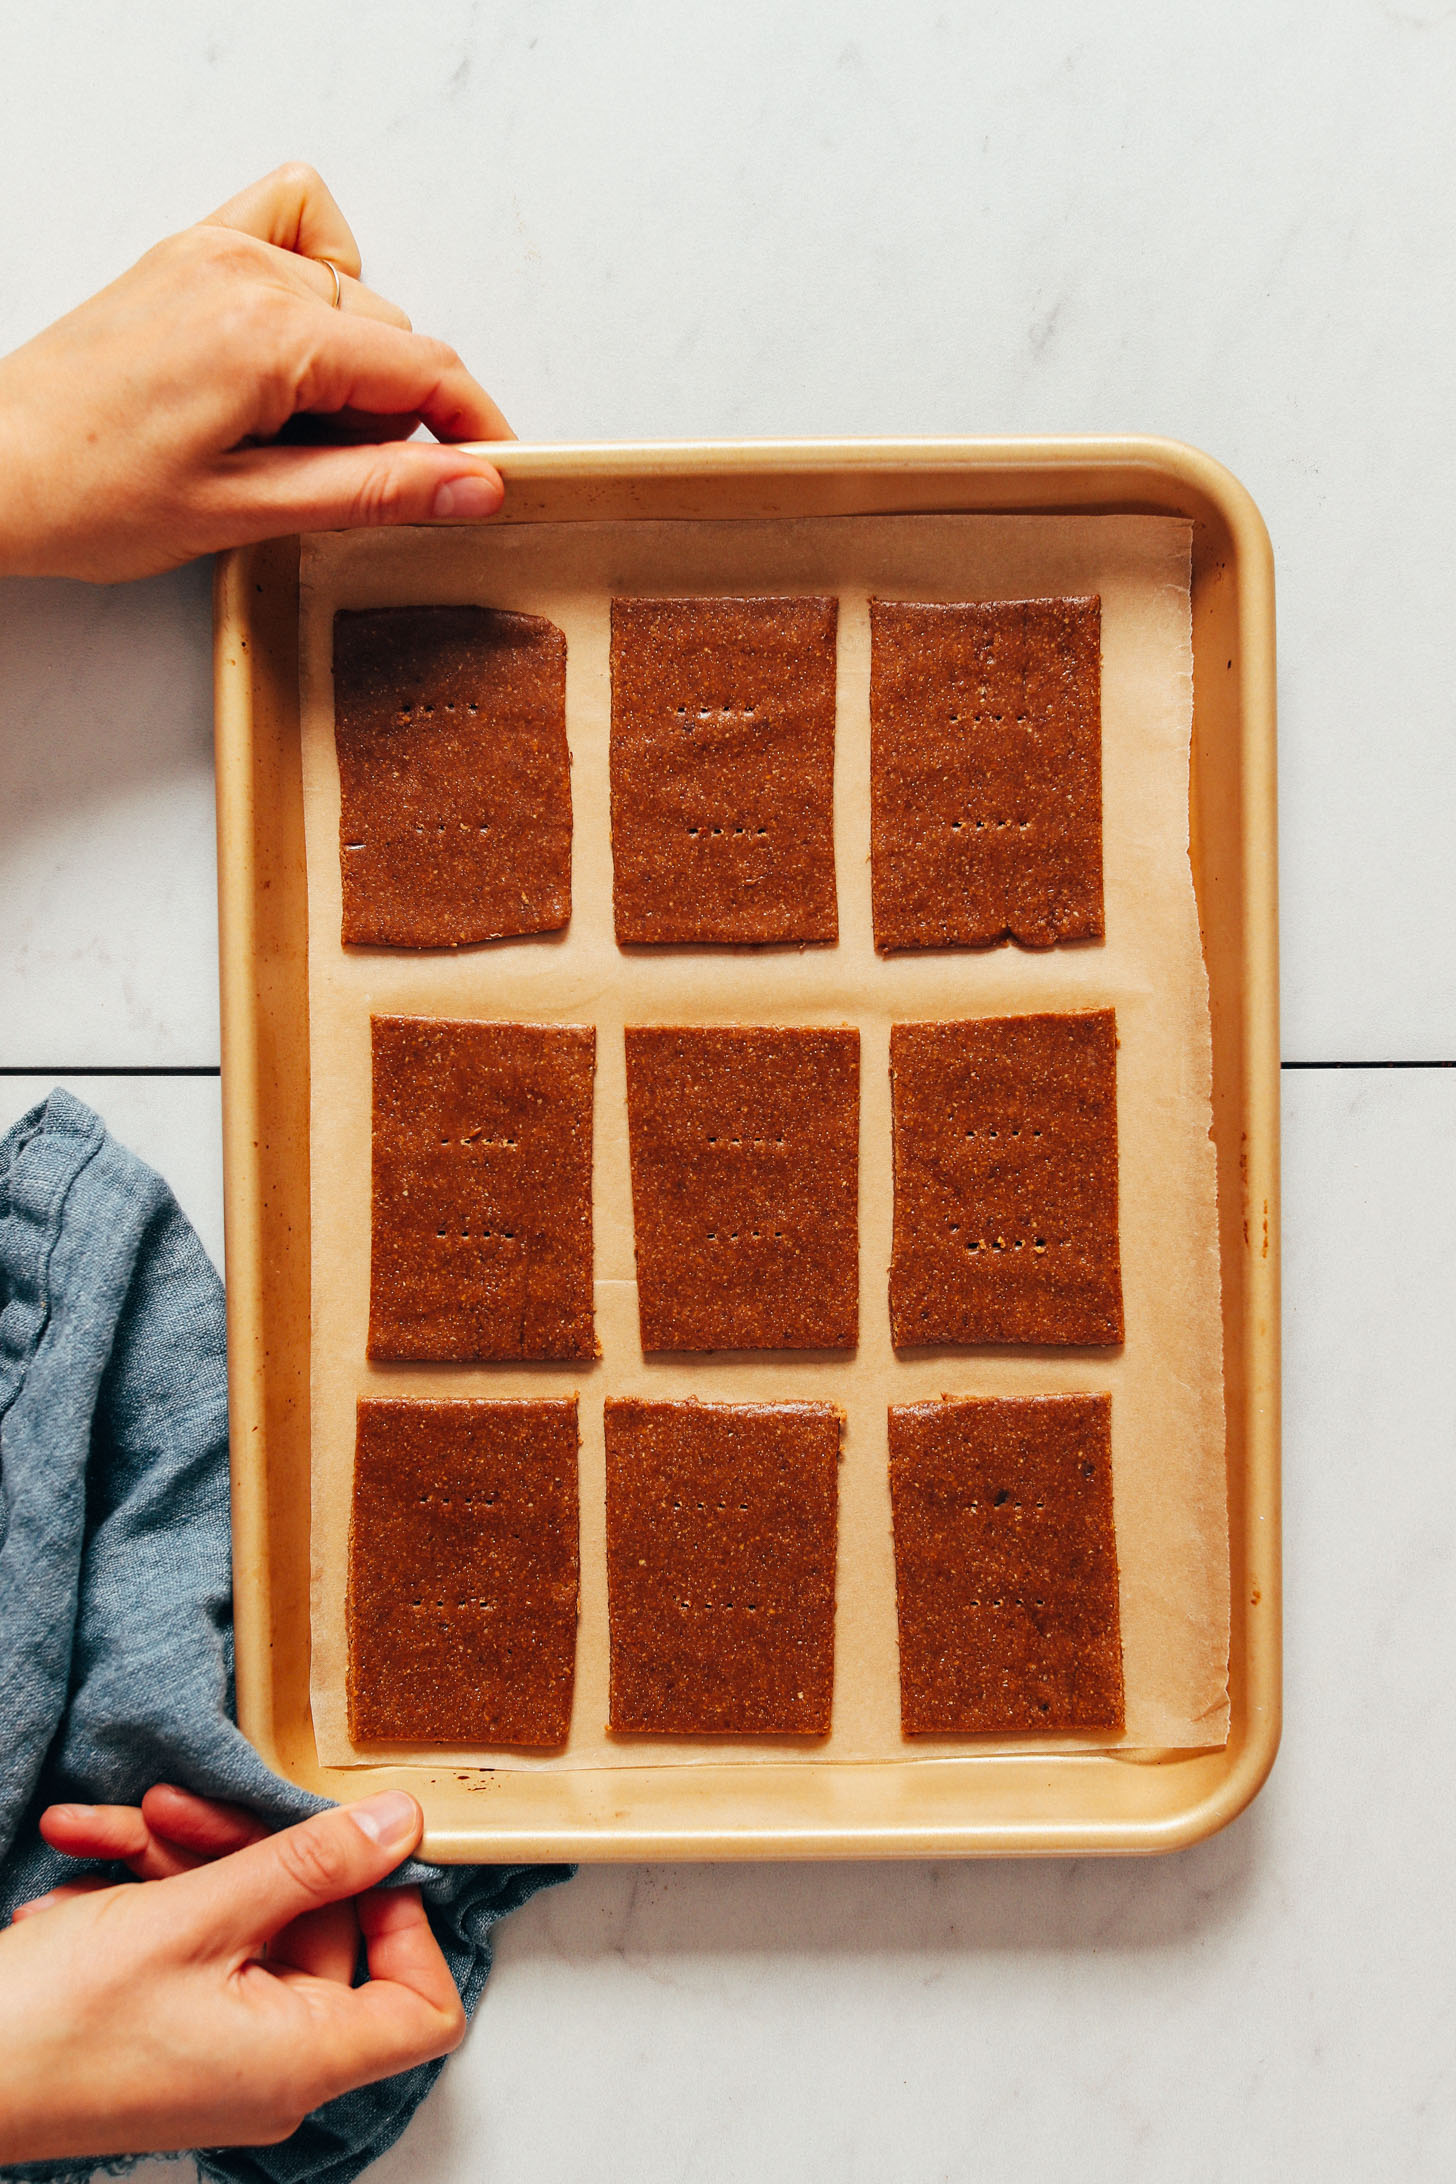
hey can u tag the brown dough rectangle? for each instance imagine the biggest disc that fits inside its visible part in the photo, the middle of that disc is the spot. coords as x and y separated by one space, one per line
986 773
722 759
482 1203
745 1185
1006 1566
1006 1181
721 1531
454 774
463 1556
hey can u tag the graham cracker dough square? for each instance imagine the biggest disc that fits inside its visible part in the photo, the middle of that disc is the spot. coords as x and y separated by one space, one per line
722 756
721 1538
745 1185
454 774
986 773
1006 1181
1006 1566
482 1201
463 1564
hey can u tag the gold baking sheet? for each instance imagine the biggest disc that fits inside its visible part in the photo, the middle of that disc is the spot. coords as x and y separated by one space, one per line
1168 1439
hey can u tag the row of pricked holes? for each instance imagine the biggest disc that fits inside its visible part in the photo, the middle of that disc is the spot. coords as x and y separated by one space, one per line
1018 1243
981 1243
465 827
406 713
995 1243
1014 1131
489 1501
755 1145
956 826
747 712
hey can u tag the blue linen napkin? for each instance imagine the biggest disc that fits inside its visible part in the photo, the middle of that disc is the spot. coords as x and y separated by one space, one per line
115 1571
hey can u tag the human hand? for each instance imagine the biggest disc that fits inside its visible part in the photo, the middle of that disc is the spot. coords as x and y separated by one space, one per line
214 2006
142 429
172 1831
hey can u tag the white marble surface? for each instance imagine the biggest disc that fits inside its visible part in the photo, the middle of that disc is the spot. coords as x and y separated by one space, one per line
173 1123
1274 2007
108 869
1230 225
657 219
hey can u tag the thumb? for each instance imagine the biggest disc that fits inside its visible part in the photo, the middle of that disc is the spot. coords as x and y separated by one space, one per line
267 492
246 1898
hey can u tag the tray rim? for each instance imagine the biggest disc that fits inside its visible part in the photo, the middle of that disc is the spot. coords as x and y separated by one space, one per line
1101 474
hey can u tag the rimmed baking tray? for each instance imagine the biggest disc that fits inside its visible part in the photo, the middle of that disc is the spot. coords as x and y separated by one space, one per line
980 1804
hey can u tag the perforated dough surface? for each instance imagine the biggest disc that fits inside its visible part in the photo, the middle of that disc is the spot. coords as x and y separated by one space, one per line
1165 1383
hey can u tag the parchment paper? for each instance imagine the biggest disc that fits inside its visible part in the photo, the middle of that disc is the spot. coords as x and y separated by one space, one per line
1166 1383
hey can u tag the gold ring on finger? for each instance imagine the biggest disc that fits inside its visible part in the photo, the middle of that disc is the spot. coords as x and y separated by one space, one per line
336 301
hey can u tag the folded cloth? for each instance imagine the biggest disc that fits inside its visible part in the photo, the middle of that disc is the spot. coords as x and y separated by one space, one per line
115 1570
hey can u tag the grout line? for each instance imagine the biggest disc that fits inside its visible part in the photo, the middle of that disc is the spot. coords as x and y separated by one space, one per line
108 1069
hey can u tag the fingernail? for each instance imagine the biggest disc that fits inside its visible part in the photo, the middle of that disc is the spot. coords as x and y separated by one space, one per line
36 1903
76 1812
392 1819
465 497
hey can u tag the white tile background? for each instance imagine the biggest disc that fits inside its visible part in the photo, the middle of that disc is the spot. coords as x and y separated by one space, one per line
643 219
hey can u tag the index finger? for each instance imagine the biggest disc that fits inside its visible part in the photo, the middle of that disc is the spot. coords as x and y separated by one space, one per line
207 1825
408 2011
359 363
293 209
254 1893
401 1946
118 1832
360 2034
